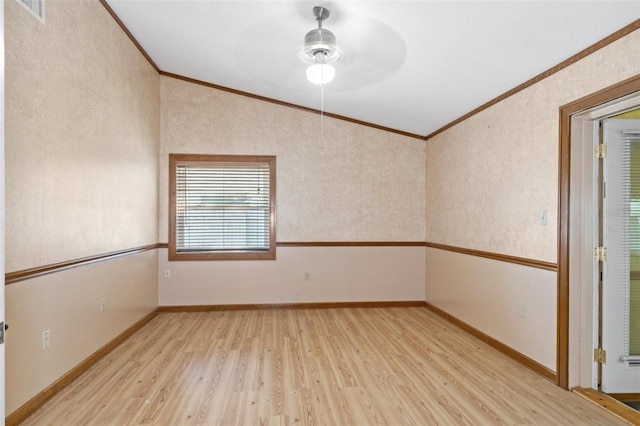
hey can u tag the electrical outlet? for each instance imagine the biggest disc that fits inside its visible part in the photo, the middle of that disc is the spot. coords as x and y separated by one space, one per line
307 276
522 310
167 273
103 304
46 339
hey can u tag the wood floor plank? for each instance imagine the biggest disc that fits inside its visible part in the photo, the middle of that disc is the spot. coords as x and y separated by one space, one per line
347 366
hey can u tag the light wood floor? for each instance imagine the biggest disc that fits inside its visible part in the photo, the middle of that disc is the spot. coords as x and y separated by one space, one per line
395 366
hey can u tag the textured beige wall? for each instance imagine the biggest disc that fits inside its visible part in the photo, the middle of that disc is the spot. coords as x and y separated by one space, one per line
82 141
359 184
336 274
489 295
356 184
489 176
68 304
82 136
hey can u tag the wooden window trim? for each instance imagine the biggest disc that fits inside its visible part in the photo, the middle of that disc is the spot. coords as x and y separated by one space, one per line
194 159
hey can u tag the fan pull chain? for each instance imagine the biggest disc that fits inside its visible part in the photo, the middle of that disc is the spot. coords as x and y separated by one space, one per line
322 114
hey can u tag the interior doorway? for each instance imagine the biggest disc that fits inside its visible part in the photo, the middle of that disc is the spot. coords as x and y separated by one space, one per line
579 233
617 279
2 346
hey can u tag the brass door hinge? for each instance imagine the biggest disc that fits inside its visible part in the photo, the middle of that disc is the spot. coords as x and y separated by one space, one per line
600 254
600 356
600 151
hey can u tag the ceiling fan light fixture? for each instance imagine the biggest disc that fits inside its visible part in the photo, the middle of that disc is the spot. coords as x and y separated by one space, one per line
320 50
320 72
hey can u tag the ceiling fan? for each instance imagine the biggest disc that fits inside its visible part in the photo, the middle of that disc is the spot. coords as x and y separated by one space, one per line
320 50
278 55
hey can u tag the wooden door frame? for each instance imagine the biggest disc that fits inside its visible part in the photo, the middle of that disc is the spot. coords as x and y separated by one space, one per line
619 90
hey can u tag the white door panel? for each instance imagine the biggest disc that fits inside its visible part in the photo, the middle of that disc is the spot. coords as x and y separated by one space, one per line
2 346
618 376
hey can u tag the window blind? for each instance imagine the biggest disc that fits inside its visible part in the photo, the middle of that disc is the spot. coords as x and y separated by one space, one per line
631 296
222 207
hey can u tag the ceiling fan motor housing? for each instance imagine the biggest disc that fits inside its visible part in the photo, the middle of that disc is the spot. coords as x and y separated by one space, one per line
320 40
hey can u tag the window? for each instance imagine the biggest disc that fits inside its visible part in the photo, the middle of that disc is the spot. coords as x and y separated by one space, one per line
222 207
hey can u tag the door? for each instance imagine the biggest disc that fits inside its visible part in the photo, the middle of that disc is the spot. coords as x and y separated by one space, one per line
2 413
620 297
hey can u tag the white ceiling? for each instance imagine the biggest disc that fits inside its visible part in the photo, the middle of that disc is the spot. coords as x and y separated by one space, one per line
412 66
